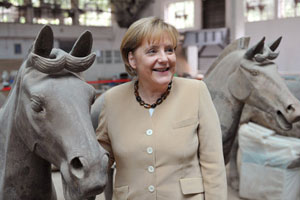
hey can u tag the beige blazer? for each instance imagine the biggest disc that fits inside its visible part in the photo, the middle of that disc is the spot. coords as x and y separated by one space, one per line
174 155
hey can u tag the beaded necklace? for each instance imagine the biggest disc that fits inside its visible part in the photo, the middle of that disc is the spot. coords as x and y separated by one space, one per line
158 101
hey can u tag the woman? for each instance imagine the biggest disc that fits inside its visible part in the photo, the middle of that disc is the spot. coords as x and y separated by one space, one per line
163 132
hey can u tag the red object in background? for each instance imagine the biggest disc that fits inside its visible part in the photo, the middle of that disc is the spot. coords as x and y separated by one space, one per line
90 82
108 81
6 89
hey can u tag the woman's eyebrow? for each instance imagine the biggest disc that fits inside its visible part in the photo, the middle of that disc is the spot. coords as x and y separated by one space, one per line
170 45
153 46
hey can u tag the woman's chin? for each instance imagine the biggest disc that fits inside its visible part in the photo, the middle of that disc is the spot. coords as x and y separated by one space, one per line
163 78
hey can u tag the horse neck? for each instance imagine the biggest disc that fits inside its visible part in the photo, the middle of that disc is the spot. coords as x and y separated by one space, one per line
19 167
25 173
217 80
7 113
224 68
6 119
228 107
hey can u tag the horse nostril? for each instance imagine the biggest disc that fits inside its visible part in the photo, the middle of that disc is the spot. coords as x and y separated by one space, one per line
77 168
290 108
278 112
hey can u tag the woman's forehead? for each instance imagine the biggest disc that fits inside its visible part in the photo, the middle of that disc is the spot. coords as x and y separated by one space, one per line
155 39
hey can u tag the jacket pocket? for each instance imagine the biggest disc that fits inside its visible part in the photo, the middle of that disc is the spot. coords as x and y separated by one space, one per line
121 193
185 123
191 186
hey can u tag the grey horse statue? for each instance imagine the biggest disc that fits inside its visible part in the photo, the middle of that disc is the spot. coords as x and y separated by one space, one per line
46 119
241 75
253 114
2 99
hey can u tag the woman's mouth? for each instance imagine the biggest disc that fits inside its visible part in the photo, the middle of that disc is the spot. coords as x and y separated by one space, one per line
161 69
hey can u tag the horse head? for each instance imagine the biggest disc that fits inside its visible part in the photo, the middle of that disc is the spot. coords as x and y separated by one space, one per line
53 108
257 82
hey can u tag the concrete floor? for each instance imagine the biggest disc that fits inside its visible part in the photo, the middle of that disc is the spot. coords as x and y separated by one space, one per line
232 195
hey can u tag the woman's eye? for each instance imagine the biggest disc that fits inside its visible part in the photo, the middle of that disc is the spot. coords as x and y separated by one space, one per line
151 51
170 50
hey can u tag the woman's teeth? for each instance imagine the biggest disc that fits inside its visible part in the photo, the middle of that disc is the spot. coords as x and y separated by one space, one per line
161 70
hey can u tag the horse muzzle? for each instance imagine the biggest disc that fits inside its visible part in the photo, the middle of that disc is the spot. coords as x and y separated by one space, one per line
83 179
287 117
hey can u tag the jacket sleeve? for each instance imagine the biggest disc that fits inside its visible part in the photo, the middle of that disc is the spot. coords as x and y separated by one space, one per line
102 130
211 150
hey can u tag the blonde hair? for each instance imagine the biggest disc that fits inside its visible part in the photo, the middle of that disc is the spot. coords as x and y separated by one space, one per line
150 28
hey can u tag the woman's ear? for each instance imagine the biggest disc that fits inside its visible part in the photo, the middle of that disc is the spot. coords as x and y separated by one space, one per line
131 60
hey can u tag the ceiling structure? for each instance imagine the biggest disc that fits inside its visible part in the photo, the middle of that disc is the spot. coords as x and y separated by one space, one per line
125 11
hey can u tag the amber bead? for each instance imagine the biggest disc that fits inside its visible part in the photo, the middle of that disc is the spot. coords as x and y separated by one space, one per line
138 98
159 100
147 105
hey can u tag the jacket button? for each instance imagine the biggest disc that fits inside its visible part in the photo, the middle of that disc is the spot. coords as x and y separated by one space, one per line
149 132
151 188
149 150
151 169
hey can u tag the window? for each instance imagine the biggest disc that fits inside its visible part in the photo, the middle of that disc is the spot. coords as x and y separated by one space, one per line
8 14
288 8
100 56
91 12
96 13
64 4
108 57
181 14
18 49
258 10
117 57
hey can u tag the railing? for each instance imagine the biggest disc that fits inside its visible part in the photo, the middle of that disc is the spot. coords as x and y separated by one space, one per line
205 37
89 82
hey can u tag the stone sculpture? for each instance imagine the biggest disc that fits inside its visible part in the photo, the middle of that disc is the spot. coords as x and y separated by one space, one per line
241 76
253 114
2 99
45 120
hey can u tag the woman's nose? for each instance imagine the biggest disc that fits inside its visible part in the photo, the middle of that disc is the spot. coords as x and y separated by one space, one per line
163 57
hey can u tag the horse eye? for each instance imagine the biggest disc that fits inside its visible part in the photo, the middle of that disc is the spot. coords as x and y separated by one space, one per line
254 72
36 106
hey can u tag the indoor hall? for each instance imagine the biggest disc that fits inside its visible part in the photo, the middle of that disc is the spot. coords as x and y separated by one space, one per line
245 52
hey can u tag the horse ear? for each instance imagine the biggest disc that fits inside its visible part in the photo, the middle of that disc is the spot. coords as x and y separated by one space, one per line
83 45
273 46
258 48
239 86
43 43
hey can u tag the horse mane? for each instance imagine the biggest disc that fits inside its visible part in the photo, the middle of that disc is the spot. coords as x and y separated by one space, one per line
238 44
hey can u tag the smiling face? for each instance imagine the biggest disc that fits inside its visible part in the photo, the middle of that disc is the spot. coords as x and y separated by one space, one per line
154 60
